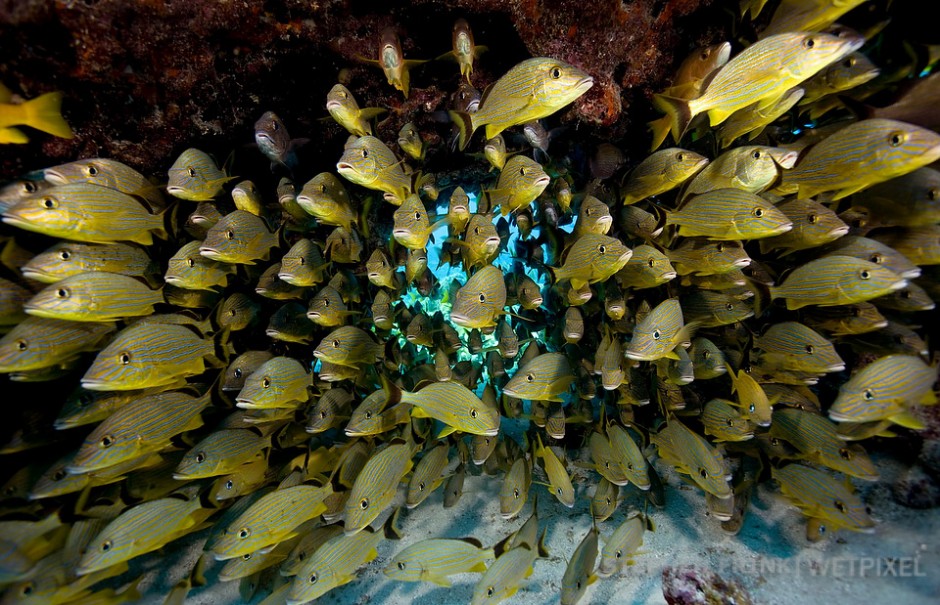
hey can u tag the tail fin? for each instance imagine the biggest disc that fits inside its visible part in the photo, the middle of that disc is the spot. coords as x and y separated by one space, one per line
660 129
678 112
464 122
45 113
12 135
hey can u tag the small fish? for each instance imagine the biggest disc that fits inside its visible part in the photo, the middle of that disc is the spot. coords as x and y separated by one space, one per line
694 456
729 214
412 227
605 500
845 74
659 333
843 320
710 309
65 259
724 422
885 390
592 258
521 180
456 406
479 302
290 324
195 177
628 456
37 343
660 172
707 359
409 140
515 487
42 113
325 198
94 296
579 573
639 223
453 488
751 397
495 152
239 238
836 280
348 346
544 378
813 225
376 485
272 139
342 105
393 62
481 242
751 121
370 163
246 197
434 559
87 212
189 269
221 452
593 217
279 382
549 84
885 148
621 545
911 200
559 481
798 16
647 268
327 308
107 173
303 265
606 161
751 168
506 575
876 252
427 475
793 346
822 498
238 312
817 439
464 48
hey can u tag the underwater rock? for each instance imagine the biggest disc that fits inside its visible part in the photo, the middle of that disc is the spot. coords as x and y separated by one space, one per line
916 489
930 457
690 585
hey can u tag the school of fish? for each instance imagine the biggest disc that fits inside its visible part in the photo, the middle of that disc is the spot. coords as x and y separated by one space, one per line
285 373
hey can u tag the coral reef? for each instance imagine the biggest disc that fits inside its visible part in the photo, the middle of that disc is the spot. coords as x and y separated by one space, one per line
692 585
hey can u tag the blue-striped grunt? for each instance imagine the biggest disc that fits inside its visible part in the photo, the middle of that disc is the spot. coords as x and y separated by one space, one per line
94 296
195 177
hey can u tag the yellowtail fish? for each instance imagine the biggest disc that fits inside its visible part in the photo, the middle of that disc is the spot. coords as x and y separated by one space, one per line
593 217
752 120
861 154
813 225
42 113
382 313
481 241
817 439
886 389
435 559
331 409
141 529
794 346
661 172
325 198
751 168
336 561
376 485
189 269
412 227
836 280
37 343
195 177
515 487
427 476
762 72
94 296
348 346
456 406
710 309
605 461
90 407
495 152
290 324
506 575
342 105
107 173
729 214
149 354
458 211
65 259
621 545
920 245
659 333
327 308
579 573
140 427
823 498
724 422
548 85
246 479
393 62
521 180
647 268
909 299
544 378
88 213
274 517
370 163
480 301
239 238
751 397
246 197
343 246
559 481
220 453
238 312
591 259
694 456
807 15
305 548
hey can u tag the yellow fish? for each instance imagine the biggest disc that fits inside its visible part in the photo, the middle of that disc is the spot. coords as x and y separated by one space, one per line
342 105
42 113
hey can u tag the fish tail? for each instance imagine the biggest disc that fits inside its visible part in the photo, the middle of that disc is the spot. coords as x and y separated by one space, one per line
660 129
12 135
405 81
45 113
464 122
678 113
390 527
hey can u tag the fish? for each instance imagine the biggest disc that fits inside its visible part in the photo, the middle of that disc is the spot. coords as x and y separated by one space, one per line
36 343
798 15
149 354
822 498
545 378
195 177
348 346
325 198
327 308
647 268
495 152
246 197
639 223
593 217
87 212
579 573
661 172
272 139
189 269
44 113
559 481
751 168
465 50
94 296
694 456
728 214
505 576
535 88
272 518
911 200
836 280
912 104
521 180
628 456
481 242
709 309
427 475
813 225
479 302
592 258
860 155
392 61
794 346
456 406
370 163
290 324
412 227
376 485
238 312
751 397
707 359
624 542
342 105
765 70
886 389
817 439
751 121
65 259
722 420
605 500
220 453
659 333
409 140
107 173
239 238
279 382
844 320
515 487
241 367
845 74
453 487
434 559
303 265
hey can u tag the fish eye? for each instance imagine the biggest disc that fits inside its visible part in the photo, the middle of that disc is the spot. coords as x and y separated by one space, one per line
877 259
473 414
523 171
515 493
490 591
933 195
65 255
27 589
364 503
482 297
555 73
63 293
905 294
335 344
751 408
845 454
757 154
864 274
29 187
421 486
401 565
850 62
758 212
265 382
200 457
656 334
106 545
730 422
59 475
809 42
275 126
124 358
558 490
530 377
244 532
839 504
106 441
229 234
602 249
706 354
868 510
897 138
191 262
651 262
619 553
341 94
364 152
49 202
237 372
811 219
810 349
868 394
91 170
229 484
313 578
21 345
703 473
369 415
417 217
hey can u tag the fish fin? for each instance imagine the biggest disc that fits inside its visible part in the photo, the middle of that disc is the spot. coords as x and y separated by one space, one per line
717 115
439 580
45 113
678 112
660 129
390 527
464 122
368 113
478 567
841 193
447 430
908 420
12 135
405 79
448 55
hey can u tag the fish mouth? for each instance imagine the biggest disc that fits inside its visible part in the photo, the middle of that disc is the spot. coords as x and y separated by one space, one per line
12 219
174 189
490 432
400 233
911 273
536 302
584 85
333 105
95 385
669 275
342 167
838 231
457 318
782 229
636 356
54 176
836 416
318 354
901 283
543 181
313 314
210 253
740 264
35 274
836 367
